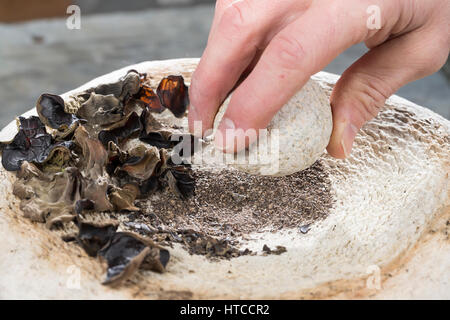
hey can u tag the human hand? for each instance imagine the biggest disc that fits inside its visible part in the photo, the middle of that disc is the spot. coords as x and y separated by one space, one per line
267 50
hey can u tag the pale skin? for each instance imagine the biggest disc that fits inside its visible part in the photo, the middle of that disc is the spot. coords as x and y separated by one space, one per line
266 50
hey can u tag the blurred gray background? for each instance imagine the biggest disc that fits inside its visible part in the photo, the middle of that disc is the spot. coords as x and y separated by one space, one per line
41 55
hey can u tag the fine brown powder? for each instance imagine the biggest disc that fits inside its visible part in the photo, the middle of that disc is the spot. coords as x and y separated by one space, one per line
229 205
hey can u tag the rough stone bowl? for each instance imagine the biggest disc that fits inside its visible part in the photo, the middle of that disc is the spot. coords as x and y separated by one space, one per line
386 237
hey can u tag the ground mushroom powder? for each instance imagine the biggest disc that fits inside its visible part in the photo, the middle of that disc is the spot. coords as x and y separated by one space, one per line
98 169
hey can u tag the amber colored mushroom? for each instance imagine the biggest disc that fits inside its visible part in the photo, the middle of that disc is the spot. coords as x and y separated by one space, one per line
150 99
173 94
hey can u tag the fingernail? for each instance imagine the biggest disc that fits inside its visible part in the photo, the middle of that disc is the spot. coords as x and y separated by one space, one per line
348 136
224 137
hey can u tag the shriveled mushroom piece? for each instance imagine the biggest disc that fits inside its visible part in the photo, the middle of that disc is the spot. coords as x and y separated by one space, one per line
94 154
156 260
59 156
41 209
173 94
123 89
82 205
103 105
180 182
38 210
95 158
126 252
116 157
49 200
94 236
22 191
149 122
66 186
29 170
150 99
149 186
17 152
31 127
123 198
51 111
33 144
142 163
122 130
101 110
159 139
98 192
58 214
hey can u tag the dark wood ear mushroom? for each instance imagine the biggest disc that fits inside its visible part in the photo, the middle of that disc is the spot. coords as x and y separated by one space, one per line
180 182
125 254
99 151
51 111
33 144
92 237
122 130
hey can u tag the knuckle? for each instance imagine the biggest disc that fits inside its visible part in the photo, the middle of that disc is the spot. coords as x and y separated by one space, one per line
364 93
236 18
288 51
373 94
431 55
438 54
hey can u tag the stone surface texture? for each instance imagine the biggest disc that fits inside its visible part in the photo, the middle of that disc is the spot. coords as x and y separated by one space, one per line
386 236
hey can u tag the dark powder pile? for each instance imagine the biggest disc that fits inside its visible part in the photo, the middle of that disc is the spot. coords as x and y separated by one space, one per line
230 204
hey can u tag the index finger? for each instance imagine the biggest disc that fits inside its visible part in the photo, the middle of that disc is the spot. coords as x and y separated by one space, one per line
236 36
301 49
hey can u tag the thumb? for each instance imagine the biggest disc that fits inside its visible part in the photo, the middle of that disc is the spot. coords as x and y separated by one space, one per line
364 87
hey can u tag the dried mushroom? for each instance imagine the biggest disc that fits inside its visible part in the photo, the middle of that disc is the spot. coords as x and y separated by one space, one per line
104 104
22 191
98 193
49 200
149 186
33 144
84 204
125 254
150 99
123 198
156 260
142 163
158 139
38 210
173 94
121 130
101 109
66 186
94 154
149 122
126 87
93 237
91 156
29 170
51 111
180 182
